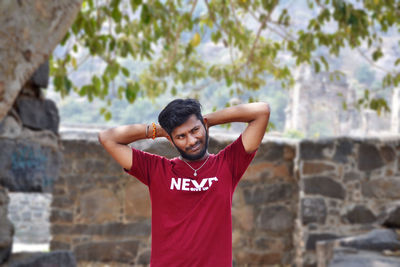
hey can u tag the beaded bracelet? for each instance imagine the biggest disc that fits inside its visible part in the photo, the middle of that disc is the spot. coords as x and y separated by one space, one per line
154 131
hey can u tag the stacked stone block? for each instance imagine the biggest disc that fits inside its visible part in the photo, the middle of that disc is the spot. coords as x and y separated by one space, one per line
6 227
265 207
30 164
98 211
30 215
379 247
346 187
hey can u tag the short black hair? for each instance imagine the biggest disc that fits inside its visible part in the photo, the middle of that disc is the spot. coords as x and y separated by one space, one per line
177 112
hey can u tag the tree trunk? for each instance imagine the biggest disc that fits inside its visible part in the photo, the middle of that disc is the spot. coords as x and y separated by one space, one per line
29 31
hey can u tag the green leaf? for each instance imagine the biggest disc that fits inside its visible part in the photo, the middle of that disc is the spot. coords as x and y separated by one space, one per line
145 16
215 36
283 16
326 65
66 37
269 5
107 116
84 90
188 51
344 105
67 84
317 67
91 4
135 4
396 79
195 40
366 94
379 104
106 80
377 54
174 91
112 44
121 90
90 27
96 85
125 71
116 15
112 69
228 78
58 83
131 91
74 63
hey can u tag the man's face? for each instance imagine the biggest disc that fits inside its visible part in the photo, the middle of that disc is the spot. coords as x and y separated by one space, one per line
191 139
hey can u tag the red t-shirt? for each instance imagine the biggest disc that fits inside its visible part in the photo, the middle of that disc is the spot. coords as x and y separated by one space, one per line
191 216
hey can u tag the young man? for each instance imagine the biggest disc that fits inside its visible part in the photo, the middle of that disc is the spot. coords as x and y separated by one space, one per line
191 195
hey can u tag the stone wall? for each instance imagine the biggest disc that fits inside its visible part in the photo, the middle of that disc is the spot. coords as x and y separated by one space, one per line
98 211
6 227
347 187
265 208
294 194
30 213
103 214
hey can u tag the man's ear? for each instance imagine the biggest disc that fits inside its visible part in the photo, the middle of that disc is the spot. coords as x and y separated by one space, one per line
205 123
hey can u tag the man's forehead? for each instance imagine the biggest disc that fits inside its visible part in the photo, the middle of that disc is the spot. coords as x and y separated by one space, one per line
188 125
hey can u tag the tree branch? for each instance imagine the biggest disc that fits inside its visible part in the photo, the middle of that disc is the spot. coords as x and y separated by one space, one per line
262 26
178 34
286 33
371 62
224 31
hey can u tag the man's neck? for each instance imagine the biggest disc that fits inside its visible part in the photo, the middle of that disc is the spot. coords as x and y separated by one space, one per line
206 155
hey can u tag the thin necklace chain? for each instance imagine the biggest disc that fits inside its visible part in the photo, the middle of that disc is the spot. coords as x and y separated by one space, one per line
195 170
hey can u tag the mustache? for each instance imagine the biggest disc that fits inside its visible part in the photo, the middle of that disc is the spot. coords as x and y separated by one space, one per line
191 147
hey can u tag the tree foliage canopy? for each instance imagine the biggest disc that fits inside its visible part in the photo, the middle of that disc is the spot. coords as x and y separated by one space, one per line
259 37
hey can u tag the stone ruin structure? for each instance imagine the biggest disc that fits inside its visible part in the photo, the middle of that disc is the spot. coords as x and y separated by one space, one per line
29 162
29 31
316 107
295 196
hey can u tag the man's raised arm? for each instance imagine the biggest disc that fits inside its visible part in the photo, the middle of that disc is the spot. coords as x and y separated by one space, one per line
116 140
255 114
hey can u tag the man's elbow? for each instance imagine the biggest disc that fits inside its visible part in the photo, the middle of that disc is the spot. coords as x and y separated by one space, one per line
264 109
264 112
101 136
267 109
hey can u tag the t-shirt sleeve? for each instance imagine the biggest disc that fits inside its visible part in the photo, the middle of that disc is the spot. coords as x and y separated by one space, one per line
238 159
143 164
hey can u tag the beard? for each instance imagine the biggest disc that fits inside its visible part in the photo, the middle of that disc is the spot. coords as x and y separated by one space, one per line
197 156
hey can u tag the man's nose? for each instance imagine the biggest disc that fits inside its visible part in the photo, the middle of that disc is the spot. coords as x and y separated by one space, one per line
191 140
